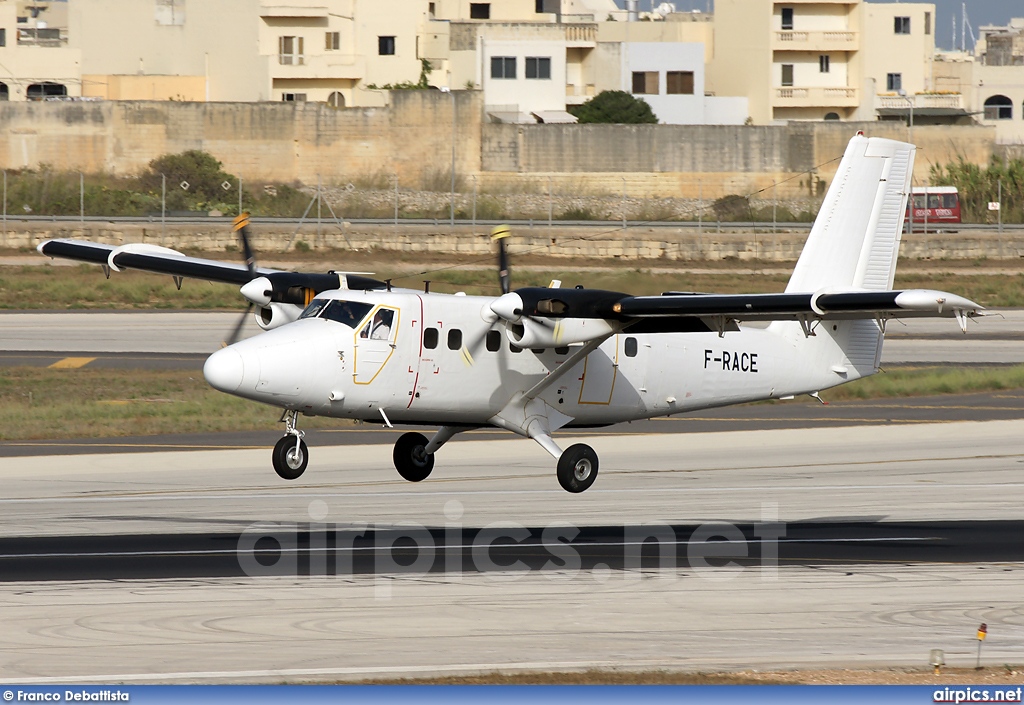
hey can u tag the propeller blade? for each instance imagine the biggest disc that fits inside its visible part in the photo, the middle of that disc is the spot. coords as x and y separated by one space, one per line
236 333
499 234
470 348
241 226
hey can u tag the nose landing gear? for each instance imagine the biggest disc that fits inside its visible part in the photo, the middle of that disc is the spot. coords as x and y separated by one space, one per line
290 453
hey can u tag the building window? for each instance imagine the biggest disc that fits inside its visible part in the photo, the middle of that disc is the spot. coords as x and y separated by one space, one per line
999 107
336 99
927 23
293 97
679 82
493 340
831 116
332 41
3 37
430 338
290 51
479 10
42 91
538 67
503 67
787 74
5 93
902 25
787 18
893 81
386 46
538 6
645 82
431 9
824 63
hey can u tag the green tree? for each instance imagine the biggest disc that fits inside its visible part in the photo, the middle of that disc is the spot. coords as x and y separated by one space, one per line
200 169
615 107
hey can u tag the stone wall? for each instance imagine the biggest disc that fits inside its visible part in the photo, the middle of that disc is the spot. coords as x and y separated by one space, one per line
640 246
259 141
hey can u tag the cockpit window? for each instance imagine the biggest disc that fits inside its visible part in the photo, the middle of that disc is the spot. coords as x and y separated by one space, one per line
314 308
346 312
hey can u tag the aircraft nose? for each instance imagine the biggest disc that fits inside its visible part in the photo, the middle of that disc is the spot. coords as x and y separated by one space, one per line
224 370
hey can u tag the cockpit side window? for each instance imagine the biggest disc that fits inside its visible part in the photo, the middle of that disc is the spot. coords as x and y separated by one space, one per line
314 308
348 313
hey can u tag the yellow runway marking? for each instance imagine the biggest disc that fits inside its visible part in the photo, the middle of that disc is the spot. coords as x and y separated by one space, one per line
71 363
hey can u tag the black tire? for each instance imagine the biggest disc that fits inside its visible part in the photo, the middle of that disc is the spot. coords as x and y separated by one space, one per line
577 468
411 459
289 463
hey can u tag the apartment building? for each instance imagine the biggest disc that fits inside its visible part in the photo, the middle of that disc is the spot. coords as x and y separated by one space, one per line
823 59
35 59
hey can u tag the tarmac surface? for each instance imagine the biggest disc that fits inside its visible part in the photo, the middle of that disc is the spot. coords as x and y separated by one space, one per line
203 566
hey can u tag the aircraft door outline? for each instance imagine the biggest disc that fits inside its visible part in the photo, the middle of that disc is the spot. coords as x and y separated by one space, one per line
374 344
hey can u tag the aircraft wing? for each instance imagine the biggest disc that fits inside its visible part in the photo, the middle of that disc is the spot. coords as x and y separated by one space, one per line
825 305
288 287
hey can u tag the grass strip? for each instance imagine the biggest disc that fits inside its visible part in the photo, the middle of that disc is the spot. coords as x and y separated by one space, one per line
44 403
85 287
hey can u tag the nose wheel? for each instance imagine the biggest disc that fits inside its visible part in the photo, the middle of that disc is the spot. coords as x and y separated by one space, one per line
290 453
412 460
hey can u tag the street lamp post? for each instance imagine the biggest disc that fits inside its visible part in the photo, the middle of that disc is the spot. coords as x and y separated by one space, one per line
451 202
910 124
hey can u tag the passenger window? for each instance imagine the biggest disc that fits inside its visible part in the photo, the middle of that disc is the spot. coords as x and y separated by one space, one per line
514 348
454 339
430 338
562 351
630 347
493 340
537 351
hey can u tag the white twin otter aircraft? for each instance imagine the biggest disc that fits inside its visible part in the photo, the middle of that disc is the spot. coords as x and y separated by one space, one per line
536 360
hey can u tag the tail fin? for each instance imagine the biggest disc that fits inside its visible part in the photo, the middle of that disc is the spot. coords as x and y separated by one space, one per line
853 245
856 237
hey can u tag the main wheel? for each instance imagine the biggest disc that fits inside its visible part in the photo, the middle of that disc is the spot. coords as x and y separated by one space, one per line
290 462
577 468
411 458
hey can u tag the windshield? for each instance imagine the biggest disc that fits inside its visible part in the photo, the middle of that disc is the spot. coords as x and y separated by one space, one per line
314 308
347 312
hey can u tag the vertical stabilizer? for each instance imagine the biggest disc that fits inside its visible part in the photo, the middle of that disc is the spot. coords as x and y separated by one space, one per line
856 237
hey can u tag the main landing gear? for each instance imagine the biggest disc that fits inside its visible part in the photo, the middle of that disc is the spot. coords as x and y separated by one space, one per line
291 454
414 458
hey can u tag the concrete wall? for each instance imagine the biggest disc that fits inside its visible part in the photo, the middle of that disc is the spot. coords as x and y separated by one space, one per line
259 141
636 244
679 160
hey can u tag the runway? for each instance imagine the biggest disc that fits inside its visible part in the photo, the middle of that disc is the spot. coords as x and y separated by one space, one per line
892 540
184 339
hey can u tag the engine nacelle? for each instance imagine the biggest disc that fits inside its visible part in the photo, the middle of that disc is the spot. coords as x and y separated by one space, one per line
276 315
556 332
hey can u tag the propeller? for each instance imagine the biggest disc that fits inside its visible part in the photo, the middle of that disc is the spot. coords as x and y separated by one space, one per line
499 234
253 288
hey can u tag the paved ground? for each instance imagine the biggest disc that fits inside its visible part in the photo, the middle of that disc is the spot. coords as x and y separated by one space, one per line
880 517
117 338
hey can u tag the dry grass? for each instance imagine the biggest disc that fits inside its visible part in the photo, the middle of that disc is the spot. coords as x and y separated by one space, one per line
40 403
1002 675
104 403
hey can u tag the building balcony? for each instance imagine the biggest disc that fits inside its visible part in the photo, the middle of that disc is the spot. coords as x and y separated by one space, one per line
837 40
296 8
324 66
837 97
577 94
581 35
921 101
